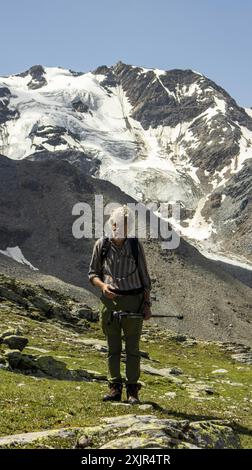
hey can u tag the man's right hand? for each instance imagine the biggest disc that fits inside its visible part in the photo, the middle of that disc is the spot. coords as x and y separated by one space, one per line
107 292
105 288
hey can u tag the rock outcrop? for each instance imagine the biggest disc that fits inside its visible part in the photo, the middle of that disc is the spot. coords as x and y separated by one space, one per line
148 432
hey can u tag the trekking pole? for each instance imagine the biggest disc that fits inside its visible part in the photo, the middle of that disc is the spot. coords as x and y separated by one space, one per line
179 316
119 314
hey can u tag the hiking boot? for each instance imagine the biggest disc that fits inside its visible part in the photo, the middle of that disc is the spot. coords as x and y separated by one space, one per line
132 393
115 393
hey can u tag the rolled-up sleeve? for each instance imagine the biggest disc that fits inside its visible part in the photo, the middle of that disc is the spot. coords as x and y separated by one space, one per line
95 268
143 268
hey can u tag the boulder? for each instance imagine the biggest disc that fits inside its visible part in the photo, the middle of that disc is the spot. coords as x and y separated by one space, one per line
15 342
167 372
13 296
49 307
83 311
23 362
50 366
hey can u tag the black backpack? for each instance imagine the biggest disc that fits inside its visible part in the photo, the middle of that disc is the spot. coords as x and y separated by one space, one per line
133 244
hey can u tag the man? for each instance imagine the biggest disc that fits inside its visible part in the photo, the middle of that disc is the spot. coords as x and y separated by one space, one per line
125 284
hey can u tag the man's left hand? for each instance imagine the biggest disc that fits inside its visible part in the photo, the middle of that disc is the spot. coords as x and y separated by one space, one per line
147 312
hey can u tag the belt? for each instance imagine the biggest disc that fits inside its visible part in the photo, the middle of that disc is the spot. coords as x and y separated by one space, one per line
128 292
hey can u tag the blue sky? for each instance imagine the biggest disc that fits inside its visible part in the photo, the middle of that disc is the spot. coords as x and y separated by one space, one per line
210 36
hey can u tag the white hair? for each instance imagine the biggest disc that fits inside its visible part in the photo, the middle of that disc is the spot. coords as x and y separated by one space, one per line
118 216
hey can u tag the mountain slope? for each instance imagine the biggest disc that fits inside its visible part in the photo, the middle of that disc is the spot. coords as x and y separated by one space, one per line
37 198
158 135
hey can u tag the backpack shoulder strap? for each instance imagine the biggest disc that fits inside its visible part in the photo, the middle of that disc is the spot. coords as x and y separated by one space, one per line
134 248
105 248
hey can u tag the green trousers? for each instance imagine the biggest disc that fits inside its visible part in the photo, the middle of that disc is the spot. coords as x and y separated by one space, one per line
113 329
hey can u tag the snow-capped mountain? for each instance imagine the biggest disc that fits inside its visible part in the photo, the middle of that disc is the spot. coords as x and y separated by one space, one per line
158 135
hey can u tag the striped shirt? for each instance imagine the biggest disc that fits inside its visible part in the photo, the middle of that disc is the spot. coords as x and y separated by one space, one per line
119 266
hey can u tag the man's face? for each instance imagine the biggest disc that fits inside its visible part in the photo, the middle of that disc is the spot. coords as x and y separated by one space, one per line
119 230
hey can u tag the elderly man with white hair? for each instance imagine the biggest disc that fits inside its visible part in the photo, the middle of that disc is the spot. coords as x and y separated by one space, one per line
118 267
